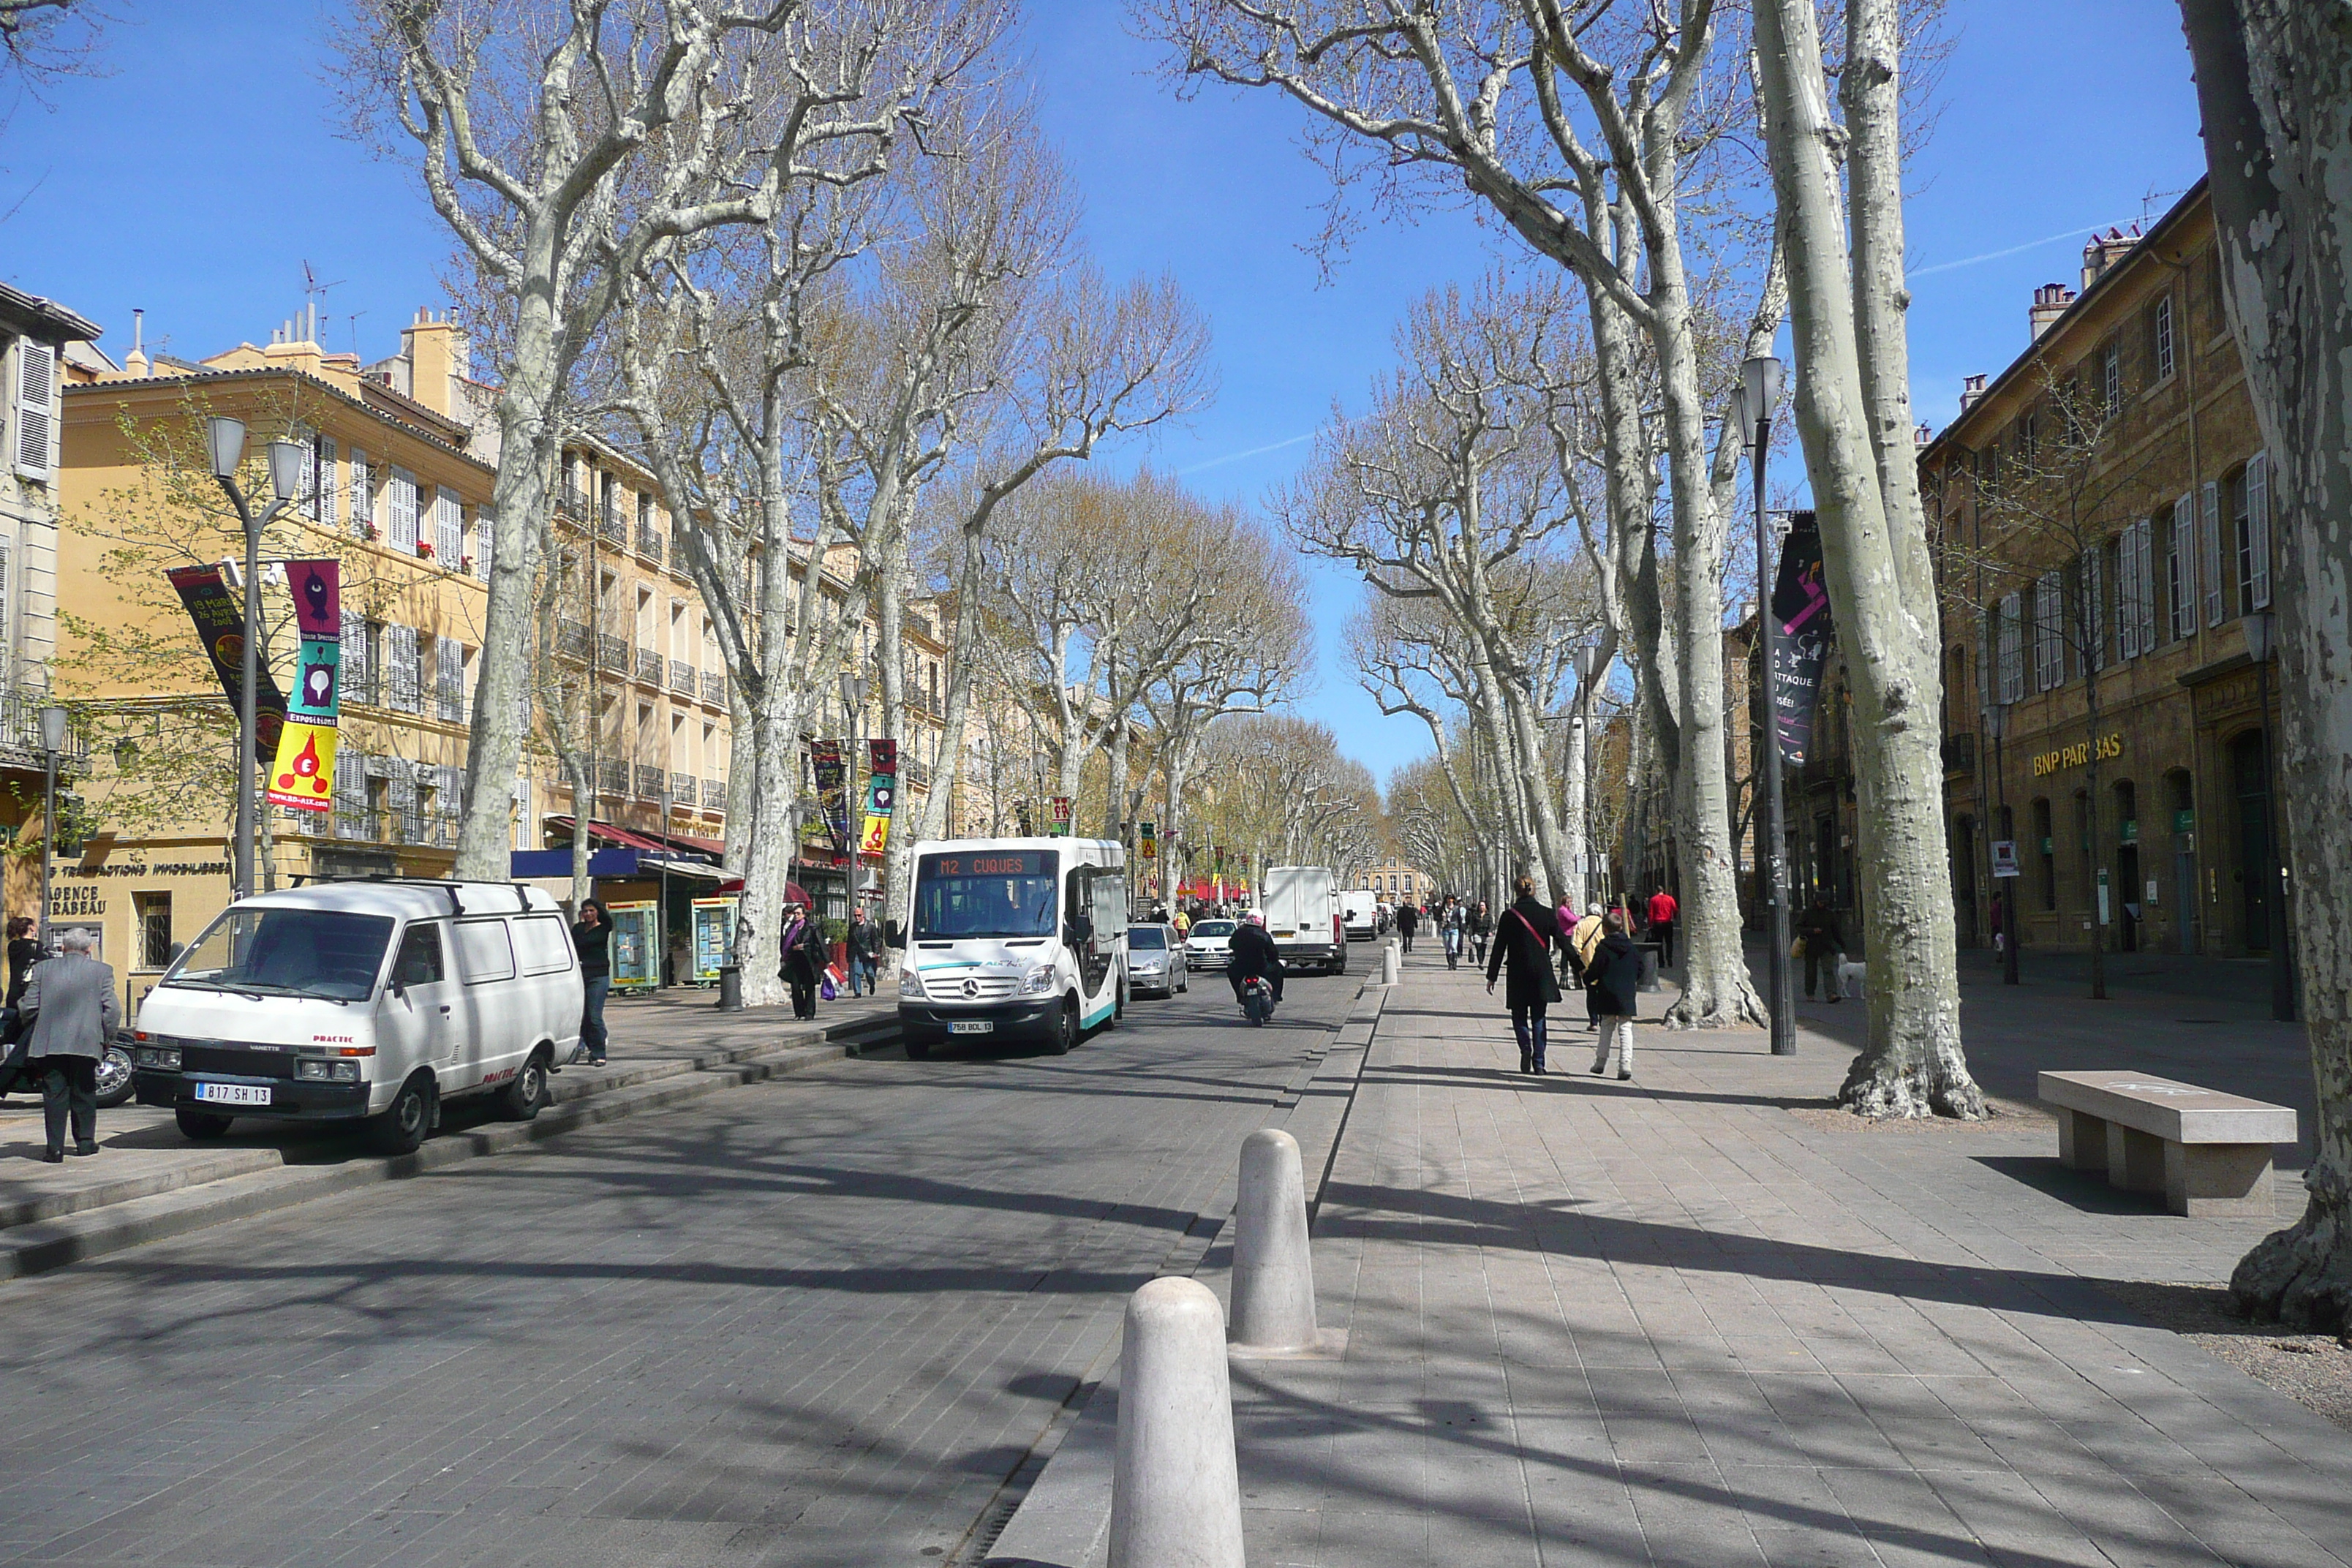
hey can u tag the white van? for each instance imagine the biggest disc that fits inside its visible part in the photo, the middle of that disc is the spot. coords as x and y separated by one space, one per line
1360 912
373 1001
1302 915
1021 939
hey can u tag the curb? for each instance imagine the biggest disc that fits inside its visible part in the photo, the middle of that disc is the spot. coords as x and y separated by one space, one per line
87 1232
1062 1519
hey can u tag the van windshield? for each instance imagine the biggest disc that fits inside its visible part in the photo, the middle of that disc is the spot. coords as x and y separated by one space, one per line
287 952
987 893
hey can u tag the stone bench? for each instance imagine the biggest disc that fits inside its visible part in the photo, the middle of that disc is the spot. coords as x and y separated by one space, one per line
2208 1152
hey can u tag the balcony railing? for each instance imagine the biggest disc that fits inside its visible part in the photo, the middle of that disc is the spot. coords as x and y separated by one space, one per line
714 794
612 778
20 725
714 688
449 705
1961 752
649 542
611 651
611 526
649 666
572 641
683 790
650 780
917 776
681 677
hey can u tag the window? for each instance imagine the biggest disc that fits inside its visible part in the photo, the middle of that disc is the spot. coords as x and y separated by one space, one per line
485 528
449 527
352 815
402 489
402 673
154 930
2212 553
2111 381
420 957
2134 591
542 944
2028 440
525 838
363 497
2159 338
2012 656
2090 611
2180 567
2045 855
2250 516
449 681
36 397
483 950
323 489
2049 631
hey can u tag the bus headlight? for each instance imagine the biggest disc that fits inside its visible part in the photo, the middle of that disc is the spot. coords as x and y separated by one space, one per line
910 984
1040 981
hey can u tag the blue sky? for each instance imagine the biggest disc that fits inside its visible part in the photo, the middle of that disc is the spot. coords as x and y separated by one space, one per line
153 188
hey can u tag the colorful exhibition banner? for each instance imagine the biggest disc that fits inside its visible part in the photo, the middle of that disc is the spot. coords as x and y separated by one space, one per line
220 627
881 795
832 790
1060 825
303 776
1147 840
1801 606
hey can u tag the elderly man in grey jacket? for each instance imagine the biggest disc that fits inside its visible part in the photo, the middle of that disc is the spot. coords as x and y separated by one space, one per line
69 1013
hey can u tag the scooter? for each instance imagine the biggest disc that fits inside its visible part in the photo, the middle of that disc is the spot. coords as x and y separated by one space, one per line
1257 999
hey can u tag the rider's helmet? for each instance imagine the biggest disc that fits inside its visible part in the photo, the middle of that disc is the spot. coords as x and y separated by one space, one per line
1254 917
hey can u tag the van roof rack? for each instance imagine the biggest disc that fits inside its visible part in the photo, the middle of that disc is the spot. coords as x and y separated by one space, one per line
457 906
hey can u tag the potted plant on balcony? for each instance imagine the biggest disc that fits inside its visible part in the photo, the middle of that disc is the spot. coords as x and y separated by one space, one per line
370 532
425 549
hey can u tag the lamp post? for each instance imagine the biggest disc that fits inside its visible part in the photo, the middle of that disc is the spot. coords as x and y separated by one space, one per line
224 443
853 705
2262 646
52 741
1588 666
1996 725
1752 405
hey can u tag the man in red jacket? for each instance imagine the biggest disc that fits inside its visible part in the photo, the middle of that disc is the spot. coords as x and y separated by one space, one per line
1662 910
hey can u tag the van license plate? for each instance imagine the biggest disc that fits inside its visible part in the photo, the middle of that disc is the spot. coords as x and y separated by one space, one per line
233 1093
972 1026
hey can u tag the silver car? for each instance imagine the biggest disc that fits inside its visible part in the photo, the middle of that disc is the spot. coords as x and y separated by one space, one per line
1155 961
1210 946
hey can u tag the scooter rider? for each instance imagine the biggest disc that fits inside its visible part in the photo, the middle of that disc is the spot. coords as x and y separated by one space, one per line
1251 951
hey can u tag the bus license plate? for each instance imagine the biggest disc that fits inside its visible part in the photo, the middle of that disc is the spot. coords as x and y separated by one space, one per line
972 1026
233 1093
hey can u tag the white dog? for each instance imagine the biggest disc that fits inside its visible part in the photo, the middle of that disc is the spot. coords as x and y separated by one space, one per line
1853 978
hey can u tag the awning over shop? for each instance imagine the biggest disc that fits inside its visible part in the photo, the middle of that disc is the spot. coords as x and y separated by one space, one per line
614 862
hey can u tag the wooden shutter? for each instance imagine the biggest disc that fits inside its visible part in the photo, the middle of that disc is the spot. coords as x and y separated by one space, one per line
350 791
363 497
403 511
449 530
401 655
2258 530
351 669
2212 553
485 526
2181 562
330 494
36 397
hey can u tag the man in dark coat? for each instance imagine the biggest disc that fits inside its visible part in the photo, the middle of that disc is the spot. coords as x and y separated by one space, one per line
1524 939
1824 939
1614 977
1250 951
1407 919
803 959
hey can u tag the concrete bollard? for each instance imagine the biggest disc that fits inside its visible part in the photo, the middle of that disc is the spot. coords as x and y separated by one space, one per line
1176 1492
1274 1274
1391 966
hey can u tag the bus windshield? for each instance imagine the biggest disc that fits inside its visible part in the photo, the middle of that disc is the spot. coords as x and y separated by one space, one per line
986 893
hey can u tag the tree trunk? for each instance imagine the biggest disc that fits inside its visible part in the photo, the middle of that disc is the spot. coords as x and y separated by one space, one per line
2273 79
1913 1064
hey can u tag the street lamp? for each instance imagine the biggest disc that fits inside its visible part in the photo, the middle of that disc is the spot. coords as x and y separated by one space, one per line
52 741
854 689
2262 646
1587 668
1751 417
224 443
1996 726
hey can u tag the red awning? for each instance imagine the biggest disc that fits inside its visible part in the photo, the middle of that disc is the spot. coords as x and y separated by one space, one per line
604 831
793 892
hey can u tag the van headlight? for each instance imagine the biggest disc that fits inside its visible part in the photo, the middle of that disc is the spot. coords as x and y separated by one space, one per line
1040 981
317 1069
167 1058
910 983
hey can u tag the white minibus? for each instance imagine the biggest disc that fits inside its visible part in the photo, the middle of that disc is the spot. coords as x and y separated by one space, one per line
1019 939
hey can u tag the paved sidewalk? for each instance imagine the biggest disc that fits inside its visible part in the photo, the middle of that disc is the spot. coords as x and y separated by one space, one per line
1680 1321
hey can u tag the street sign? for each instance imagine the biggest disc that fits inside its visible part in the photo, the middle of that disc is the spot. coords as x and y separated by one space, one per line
2102 897
2004 858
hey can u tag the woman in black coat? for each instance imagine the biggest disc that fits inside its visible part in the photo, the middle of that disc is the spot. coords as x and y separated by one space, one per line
1523 939
803 960
1614 977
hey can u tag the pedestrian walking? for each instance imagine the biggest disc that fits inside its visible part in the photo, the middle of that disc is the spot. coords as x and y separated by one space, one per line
1408 918
1662 911
1824 938
1999 927
803 960
1564 920
23 954
592 935
865 951
70 1010
1615 980
1523 939
1482 930
1449 931
1583 941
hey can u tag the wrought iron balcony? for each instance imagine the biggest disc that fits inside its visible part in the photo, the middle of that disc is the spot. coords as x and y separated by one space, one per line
714 688
649 542
612 778
611 652
1961 752
572 641
714 794
650 780
682 677
683 790
649 666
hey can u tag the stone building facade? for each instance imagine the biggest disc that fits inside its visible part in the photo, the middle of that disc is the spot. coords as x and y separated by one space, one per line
2102 525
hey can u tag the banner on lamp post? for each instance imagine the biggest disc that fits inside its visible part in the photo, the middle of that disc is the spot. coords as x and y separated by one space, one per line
220 627
881 795
303 776
832 790
1800 611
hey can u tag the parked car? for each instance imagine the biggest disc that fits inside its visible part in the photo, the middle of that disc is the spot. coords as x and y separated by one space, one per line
1211 944
365 1003
1158 963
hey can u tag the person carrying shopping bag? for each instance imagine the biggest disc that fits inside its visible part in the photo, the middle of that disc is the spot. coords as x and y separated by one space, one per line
1523 939
1614 980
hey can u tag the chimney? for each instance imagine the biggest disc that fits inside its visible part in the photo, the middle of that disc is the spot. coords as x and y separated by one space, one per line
2050 302
1971 388
294 345
136 361
1923 435
439 357
2103 251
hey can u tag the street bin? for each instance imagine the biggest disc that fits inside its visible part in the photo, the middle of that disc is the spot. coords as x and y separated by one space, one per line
730 988
1649 952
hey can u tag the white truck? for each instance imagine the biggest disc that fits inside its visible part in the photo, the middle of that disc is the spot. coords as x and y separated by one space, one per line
1359 913
1301 905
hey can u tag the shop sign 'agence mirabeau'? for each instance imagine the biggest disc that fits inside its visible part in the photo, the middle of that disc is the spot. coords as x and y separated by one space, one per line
2110 745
